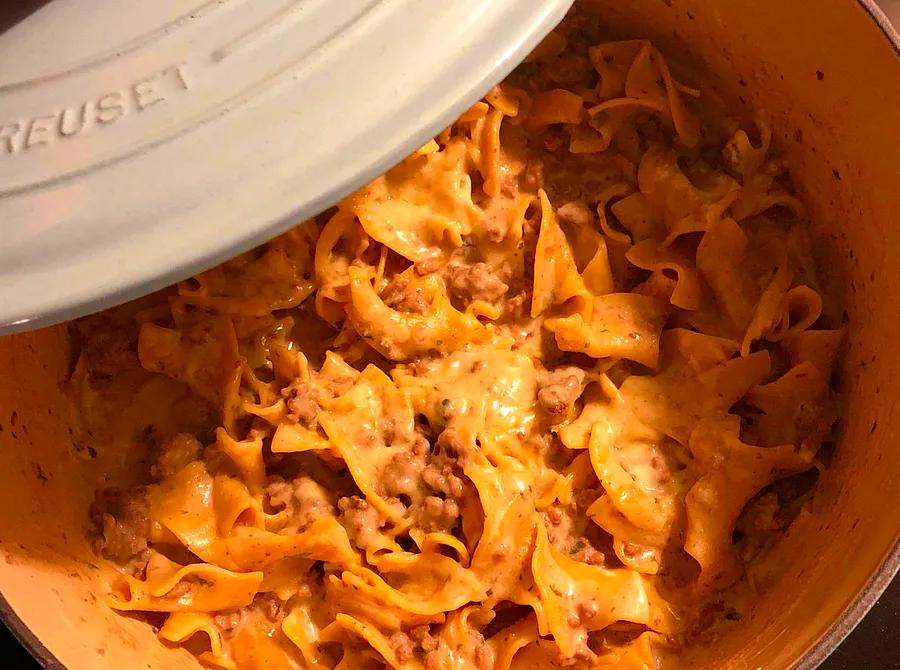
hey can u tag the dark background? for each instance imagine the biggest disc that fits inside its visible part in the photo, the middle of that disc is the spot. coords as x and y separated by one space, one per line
875 645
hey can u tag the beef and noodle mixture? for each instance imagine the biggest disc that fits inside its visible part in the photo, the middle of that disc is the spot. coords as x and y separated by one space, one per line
540 396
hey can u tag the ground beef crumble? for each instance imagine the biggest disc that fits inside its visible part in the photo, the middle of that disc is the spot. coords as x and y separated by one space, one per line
576 213
123 524
438 514
428 266
475 282
361 520
559 389
300 401
403 474
175 455
429 483
304 499
267 604
440 475
419 642
403 646
404 297
566 535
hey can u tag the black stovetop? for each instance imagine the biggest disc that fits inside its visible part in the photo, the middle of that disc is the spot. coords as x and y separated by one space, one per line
874 645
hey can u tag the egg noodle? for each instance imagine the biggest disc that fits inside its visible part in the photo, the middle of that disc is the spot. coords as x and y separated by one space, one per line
529 399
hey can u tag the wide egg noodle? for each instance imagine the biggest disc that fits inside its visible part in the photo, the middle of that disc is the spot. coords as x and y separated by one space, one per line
568 586
715 501
182 626
210 588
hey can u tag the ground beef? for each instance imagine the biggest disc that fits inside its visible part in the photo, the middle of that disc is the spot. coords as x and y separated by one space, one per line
585 498
416 474
403 474
265 603
268 604
533 176
175 454
109 342
420 471
280 493
423 638
731 158
438 514
565 534
137 566
403 646
123 524
339 386
450 442
554 516
387 426
421 446
428 266
583 552
400 295
361 520
586 611
312 501
553 139
419 642
300 400
443 656
304 498
440 475
576 213
509 186
559 389
181 589
484 657
518 305
559 527
496 224
582 658
476 282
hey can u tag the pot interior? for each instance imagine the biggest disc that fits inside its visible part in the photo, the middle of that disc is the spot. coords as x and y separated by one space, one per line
827 76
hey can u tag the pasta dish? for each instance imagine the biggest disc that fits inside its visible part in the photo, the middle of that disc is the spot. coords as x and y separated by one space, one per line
538 397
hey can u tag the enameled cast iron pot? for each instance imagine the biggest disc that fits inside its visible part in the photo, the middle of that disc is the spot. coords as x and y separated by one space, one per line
828 71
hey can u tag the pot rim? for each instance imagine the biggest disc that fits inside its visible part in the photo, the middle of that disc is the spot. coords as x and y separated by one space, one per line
856 611
837 632
26 638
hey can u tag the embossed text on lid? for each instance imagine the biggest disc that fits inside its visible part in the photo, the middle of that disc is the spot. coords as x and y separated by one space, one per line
147 141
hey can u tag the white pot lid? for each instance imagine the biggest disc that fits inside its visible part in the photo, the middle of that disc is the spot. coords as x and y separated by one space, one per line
141 142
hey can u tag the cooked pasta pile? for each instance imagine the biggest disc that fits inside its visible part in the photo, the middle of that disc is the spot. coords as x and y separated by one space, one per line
535 397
